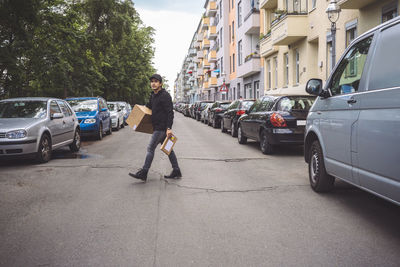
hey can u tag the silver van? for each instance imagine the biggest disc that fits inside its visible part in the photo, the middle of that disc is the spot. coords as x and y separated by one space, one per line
353 128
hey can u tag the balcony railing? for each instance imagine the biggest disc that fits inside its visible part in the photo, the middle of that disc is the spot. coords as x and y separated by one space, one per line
211 9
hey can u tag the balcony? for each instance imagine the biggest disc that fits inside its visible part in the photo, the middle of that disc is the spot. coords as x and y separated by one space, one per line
251 65
191 66
212 33
212 56
200 72
192 52
355 4
206 64
269 4
205 23
266 46
213 82
200 54
251 24
211 9
206 43
289 29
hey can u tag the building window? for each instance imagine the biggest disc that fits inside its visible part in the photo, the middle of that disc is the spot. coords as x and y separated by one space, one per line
276 72
269 74
233 30
238 90
351 31
220 37
230 64
297 60
222 65
220 9
389 11
313 4
233 62
230 33
247 91
239 13
232 4
240 56
286 60
257 89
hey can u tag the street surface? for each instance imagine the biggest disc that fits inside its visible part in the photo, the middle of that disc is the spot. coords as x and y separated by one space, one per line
234 206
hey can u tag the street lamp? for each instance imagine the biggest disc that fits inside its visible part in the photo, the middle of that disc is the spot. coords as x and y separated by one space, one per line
333 12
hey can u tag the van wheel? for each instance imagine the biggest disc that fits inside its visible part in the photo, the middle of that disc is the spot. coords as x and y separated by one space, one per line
265 146
223 126
100 132
76 144
241 139
320 180
44 150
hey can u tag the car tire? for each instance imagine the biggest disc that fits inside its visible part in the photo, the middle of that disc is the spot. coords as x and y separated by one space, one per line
76 144
123 125
265 146
241 138
223 126
99 135
320 180
209 121
109 128
214 123
44 150
117 128
233 130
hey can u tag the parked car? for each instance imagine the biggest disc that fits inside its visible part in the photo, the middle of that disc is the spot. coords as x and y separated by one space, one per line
186 110
231 116
275 120
37 126
93 115
117 115
353 129
204 113
198 108
216 112
126 109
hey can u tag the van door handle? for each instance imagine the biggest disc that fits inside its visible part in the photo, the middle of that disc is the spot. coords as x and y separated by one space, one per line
351 101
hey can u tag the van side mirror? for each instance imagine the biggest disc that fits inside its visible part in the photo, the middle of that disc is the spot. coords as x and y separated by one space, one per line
314 87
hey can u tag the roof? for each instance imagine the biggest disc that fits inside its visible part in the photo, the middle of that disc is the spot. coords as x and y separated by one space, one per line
31 99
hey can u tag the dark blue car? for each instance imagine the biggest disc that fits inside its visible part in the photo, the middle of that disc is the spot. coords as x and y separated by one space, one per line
93 115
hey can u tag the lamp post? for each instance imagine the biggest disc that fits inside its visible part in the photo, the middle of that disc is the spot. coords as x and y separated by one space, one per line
333 12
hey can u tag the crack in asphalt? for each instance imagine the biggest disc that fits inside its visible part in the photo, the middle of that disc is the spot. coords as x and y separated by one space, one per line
224 160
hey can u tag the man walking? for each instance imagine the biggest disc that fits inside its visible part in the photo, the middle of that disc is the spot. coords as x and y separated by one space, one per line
162 118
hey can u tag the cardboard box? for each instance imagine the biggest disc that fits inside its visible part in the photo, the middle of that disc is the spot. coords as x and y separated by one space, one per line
140 119
168 144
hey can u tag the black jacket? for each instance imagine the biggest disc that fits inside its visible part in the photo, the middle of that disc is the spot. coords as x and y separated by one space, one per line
162 112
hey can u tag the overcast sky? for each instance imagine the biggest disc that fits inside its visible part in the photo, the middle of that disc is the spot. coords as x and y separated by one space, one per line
175 22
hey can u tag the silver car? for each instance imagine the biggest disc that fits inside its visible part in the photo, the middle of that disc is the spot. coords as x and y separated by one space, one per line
37 126
117 115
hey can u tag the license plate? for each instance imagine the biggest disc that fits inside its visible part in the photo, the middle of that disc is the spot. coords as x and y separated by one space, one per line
301 122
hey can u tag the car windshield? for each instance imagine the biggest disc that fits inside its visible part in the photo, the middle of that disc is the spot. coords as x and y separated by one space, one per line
82 105
295 103
112 107
23 109
247 104
225 105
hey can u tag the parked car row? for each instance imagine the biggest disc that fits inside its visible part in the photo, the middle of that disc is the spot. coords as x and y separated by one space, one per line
37 126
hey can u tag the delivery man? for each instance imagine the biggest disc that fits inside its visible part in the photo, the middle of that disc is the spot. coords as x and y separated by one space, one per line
162 118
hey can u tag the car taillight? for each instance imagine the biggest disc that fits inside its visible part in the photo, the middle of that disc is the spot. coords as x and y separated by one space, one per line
240 112
277 120
218 110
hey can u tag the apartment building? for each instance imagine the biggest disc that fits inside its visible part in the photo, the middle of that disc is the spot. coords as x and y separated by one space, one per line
296 42
249 69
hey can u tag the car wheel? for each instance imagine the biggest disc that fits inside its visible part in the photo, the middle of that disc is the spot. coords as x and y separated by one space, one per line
100 132
223 126
241 138
109 128
123 124
117 128
44 150
233 130
214 123
320 180
209 121
76 144
265 146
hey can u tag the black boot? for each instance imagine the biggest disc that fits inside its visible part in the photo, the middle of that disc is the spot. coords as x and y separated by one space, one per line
141 175
175 174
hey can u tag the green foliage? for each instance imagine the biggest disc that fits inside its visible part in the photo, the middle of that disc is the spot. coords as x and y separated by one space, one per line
66 48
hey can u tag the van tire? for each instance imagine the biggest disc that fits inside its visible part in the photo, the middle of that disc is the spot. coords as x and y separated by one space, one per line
320 180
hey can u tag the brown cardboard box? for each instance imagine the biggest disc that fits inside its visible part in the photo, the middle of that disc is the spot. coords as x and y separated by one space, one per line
140 119
168 144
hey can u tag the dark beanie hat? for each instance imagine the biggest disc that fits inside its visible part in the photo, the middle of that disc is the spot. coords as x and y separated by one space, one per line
157 77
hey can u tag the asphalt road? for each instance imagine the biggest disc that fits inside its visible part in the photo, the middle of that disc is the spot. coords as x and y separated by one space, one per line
234 206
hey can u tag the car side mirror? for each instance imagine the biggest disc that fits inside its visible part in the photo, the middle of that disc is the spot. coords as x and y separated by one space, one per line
56 116
314 87
119 110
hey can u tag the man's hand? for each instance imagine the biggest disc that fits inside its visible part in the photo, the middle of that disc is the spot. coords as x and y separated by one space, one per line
169 133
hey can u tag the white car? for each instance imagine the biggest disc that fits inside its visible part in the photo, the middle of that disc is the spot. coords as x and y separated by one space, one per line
117 115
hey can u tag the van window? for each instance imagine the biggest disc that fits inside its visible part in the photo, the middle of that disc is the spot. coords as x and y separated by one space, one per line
386 67
347 76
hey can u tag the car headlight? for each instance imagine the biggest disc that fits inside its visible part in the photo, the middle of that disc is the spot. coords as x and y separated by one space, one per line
16 134
90 121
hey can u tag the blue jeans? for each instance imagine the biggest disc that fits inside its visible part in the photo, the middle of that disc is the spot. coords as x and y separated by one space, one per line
158 138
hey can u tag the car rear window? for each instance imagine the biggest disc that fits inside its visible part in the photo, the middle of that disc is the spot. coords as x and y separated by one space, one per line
23 109
225 105
297 103
247 104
